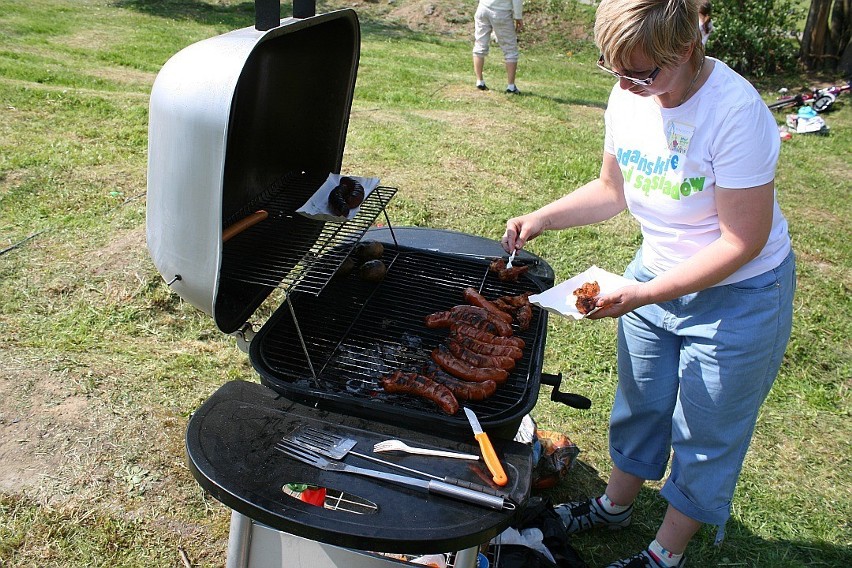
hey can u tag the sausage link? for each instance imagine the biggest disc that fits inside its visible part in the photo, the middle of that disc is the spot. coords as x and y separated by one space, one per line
474 298
486 337
418 385
461 370
463 390
478 360
484 348
450 318
503 329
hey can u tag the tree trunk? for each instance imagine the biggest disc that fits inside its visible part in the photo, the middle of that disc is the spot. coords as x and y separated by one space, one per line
826 39
814 36
840 32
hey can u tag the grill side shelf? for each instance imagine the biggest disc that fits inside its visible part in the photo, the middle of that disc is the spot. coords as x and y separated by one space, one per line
289 251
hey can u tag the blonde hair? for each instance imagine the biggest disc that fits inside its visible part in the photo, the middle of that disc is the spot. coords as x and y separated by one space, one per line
663 29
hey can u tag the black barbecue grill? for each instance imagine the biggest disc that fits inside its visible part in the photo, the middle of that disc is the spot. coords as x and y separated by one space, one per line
246 122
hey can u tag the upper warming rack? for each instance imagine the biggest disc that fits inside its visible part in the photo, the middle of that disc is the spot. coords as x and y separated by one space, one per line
288 250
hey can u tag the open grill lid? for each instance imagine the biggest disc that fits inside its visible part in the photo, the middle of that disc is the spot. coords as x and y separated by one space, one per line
230 118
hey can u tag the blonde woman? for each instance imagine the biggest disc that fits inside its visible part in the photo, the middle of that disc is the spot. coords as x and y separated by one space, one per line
690 152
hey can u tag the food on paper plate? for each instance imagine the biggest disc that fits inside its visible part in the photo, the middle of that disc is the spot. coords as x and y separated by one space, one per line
586 295
337 202
352 191
348 195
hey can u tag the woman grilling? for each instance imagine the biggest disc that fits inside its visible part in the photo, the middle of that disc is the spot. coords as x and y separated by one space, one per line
690 151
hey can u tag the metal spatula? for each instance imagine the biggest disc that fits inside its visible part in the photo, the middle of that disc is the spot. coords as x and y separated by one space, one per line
337 447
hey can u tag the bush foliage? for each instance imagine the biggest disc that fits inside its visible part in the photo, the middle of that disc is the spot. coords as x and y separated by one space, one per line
756 37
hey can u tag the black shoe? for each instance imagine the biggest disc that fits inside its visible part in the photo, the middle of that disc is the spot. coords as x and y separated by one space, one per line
513 90
642 560
482 86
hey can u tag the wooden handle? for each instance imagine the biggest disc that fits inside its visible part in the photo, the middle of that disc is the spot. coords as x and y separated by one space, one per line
243 224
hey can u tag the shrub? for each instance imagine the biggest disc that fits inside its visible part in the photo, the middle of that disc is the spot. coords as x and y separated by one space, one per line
755 37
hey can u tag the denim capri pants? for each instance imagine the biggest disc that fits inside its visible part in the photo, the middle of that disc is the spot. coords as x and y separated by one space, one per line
693 373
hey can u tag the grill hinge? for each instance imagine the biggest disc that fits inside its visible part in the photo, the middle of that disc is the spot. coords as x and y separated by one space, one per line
244 335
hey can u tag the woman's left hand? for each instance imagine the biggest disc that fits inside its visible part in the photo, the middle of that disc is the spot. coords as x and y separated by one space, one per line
620 302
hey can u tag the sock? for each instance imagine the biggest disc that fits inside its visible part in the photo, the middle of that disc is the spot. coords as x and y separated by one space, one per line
662 556
480 82
610 507
510 87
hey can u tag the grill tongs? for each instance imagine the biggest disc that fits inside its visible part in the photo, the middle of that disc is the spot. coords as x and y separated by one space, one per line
314 459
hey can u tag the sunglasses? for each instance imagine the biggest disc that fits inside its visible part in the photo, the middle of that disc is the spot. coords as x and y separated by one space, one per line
642 82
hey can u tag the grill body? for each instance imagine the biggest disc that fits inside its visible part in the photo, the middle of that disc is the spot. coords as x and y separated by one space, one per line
257 119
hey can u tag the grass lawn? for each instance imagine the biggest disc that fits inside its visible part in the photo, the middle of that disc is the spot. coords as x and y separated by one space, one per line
101 365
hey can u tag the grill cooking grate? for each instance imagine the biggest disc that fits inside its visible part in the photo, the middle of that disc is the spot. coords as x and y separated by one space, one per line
356 332
288 250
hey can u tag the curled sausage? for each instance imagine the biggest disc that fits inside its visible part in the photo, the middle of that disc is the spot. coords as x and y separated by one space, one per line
450 319
485 336
503 329
424 387
484 348
474 298
463 390
477 359
461 370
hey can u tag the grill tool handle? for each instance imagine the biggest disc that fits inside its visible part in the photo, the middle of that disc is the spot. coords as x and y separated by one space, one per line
472 486
566 398
438 487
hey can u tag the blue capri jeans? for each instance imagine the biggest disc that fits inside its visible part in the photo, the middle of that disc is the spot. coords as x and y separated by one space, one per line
693 373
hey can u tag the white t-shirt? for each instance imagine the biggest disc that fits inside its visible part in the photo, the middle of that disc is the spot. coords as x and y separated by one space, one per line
672 159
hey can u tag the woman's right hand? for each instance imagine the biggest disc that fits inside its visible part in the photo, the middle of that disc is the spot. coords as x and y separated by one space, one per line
521 230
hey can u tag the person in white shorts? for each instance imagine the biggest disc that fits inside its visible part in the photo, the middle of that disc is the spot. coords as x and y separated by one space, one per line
505 19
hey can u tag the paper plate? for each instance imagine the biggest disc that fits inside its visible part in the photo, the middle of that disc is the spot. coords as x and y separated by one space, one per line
561 299
317 206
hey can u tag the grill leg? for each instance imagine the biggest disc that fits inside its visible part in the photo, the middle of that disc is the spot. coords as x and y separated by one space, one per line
239 539
466 558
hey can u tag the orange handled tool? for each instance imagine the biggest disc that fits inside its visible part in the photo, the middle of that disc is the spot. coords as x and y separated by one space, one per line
488 453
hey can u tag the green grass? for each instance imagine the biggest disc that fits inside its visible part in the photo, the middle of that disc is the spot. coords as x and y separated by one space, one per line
101 365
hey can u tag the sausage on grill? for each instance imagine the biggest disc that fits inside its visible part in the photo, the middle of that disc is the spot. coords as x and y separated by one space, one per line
463 390
485 336
477 359
461 370
503 329
484 348
449 319
418 385
474 298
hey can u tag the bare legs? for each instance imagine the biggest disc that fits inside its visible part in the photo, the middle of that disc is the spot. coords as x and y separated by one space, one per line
677 529
511 68
479 65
